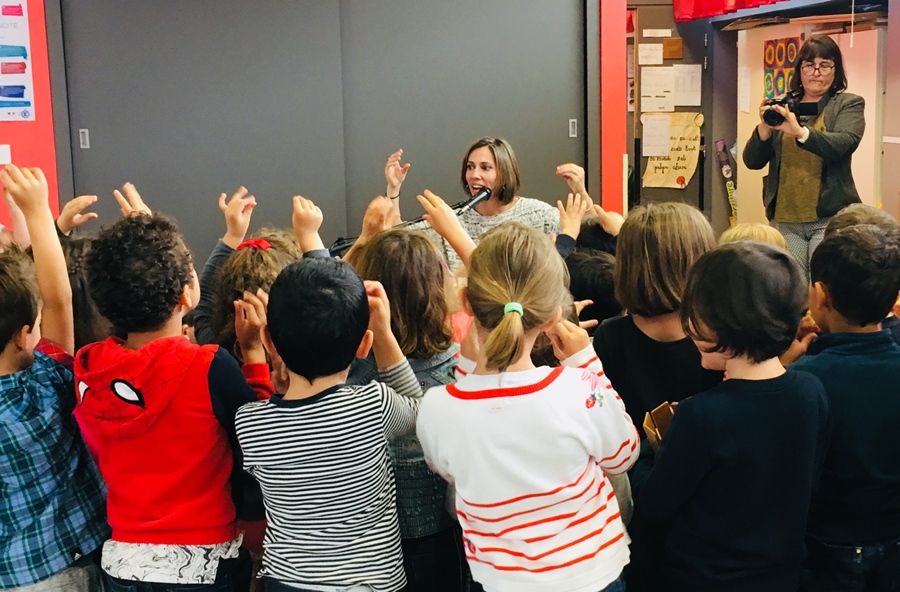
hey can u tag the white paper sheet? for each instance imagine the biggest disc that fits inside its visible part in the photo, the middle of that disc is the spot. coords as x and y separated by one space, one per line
688 84
656 139
5 154
657 32
650 54
657 89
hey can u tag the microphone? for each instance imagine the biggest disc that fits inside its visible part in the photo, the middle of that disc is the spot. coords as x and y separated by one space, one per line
481 196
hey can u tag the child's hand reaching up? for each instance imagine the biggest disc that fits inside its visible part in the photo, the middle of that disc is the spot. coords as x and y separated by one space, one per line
237 212
571 215
307 219
568 339
249 320
385 347
444 221
27 188
131 202
72 215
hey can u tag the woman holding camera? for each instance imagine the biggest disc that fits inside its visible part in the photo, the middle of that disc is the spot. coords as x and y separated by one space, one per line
809 177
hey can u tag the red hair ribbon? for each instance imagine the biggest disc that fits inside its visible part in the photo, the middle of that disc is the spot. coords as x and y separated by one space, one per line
255 243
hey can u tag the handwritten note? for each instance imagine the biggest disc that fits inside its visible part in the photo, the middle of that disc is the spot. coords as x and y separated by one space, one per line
650 54
676 169
657 89
656 139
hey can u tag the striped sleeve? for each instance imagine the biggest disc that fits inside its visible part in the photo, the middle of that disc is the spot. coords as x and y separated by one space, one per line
464 367
586 359
400 397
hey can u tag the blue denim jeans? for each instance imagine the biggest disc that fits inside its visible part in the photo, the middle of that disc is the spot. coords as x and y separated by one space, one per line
617 586
233 576
835 568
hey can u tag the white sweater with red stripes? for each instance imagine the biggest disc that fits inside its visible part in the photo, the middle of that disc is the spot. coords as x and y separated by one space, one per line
528 453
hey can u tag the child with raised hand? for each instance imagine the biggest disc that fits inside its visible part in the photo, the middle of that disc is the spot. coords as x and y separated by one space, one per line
53 501
732 482
160 411
853 535
528 448
320 451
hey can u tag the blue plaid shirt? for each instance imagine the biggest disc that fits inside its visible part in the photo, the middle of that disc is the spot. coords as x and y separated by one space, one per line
52 497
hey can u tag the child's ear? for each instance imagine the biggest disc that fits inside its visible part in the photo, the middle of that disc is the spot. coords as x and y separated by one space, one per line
267 342
20 338
190 294
365 345
464 301
819 297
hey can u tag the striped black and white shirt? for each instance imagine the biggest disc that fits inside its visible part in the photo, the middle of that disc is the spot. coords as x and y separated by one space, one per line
327 483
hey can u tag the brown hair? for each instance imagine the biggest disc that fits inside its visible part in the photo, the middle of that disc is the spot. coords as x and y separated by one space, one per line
859 213
824 47
19 294
247 270
508 181
414 277
514 263
657 246
753 231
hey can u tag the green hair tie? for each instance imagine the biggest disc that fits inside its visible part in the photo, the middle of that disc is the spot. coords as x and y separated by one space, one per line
513 307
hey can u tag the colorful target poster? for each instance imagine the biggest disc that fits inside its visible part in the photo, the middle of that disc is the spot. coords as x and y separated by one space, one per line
779 64
16 83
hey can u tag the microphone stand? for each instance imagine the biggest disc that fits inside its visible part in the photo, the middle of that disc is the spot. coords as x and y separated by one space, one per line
342 245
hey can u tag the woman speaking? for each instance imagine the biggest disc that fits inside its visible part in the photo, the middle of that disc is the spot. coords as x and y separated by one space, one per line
809 178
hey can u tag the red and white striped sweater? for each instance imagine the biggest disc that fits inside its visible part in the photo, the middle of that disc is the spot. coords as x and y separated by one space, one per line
528 453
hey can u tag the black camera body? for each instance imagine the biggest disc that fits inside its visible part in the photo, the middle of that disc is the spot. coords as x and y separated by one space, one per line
792 102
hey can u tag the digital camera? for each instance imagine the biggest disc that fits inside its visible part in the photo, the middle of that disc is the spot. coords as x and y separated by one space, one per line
772 117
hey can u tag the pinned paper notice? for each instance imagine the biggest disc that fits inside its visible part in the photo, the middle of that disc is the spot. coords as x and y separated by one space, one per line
657 32
657 137
5 154
688 82
650 54
657 89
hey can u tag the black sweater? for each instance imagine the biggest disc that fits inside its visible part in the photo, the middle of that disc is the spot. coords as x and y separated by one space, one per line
732 484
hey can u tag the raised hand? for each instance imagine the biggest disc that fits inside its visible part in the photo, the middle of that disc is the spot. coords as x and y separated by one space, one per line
26 186
571 214
379 216
72 217
306 220
568 339
249 320
131 202
237 211
395 174
611 222
573 174
444 221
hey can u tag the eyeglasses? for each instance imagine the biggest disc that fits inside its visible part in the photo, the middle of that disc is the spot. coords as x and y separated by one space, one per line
824 69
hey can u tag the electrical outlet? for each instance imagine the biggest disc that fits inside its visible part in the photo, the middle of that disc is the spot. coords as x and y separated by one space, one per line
84 139
573 128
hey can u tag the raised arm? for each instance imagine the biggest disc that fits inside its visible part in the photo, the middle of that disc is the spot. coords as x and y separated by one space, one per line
395 175
28 189
574 176
73 213
307 219
19 227
444 221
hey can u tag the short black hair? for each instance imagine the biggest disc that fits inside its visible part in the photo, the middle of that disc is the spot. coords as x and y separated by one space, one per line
592 236
137 270
318 315
860 267
746 297
591 278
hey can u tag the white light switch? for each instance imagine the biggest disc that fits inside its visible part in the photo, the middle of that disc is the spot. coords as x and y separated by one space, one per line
84 138
573 128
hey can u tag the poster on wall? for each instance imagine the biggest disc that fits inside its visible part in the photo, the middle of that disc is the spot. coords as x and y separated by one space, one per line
676 169
779 64
16 82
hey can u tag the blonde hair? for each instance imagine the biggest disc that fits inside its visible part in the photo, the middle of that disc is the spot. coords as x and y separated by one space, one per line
657 246
754 231
514 263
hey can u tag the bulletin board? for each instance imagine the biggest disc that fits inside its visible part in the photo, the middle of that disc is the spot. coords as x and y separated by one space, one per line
27 130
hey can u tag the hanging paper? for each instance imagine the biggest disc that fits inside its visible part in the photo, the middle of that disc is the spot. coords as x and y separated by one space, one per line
676 170
657 89
16 83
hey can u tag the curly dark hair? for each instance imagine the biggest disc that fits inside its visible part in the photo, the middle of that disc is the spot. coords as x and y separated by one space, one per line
137 270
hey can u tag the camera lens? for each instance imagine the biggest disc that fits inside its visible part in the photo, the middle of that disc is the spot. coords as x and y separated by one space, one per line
773 118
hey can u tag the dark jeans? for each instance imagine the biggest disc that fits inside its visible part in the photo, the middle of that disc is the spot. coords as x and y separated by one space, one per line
233 576
866 568
433 563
